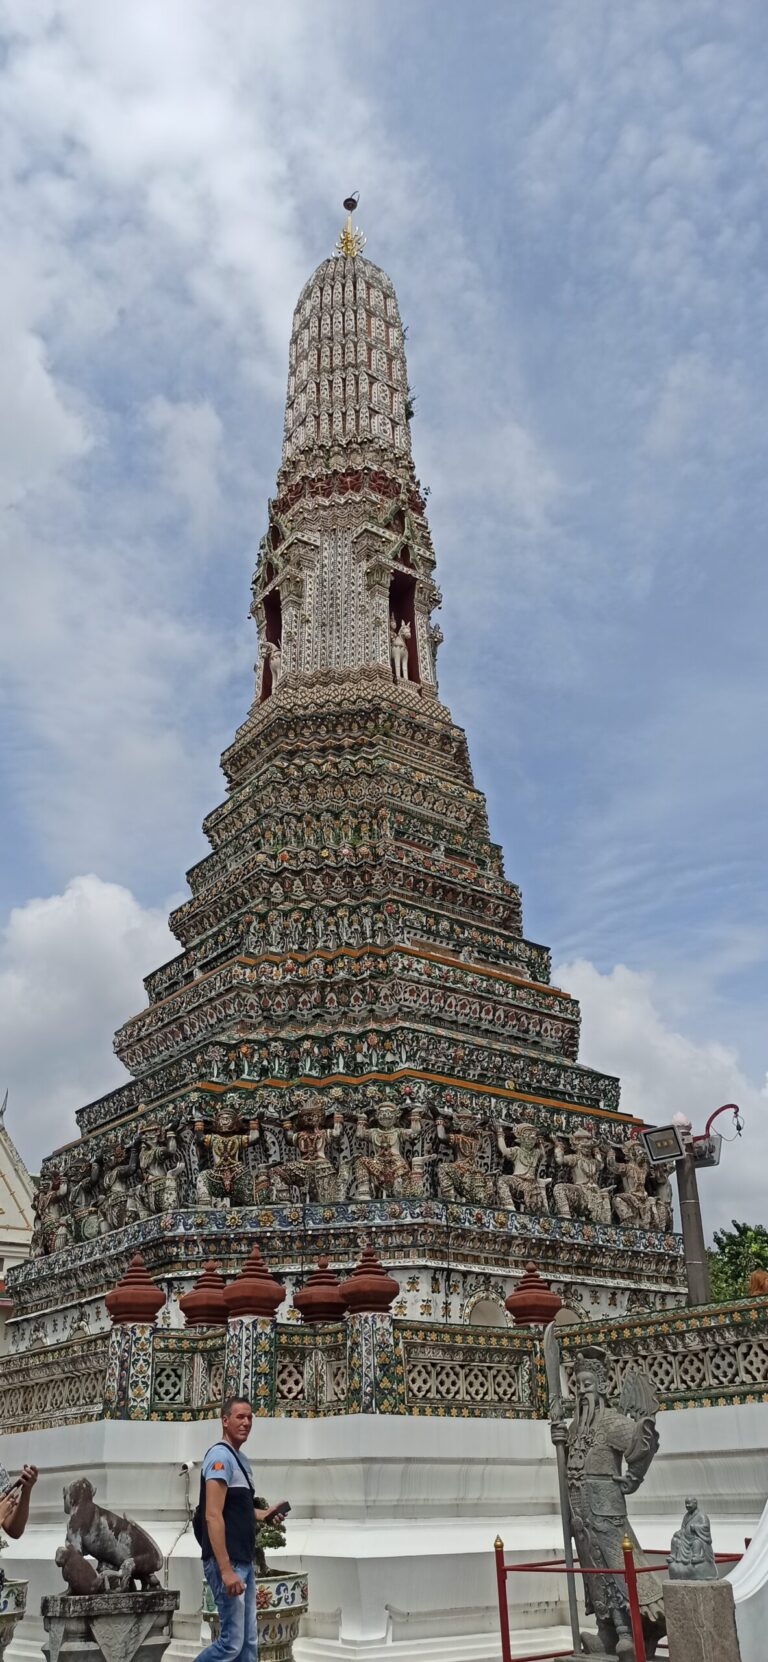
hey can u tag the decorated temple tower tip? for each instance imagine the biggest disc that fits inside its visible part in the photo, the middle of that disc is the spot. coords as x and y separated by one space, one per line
350 240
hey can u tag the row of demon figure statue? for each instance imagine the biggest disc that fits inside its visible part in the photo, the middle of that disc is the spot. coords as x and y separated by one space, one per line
323 1154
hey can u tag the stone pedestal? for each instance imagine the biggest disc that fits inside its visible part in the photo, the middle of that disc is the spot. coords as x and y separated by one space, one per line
115 1627
701 1624
281 1600
13 1603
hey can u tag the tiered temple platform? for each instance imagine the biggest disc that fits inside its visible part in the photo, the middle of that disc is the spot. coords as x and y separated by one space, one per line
404 1448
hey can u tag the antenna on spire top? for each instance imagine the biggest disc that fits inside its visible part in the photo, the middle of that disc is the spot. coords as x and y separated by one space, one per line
350 241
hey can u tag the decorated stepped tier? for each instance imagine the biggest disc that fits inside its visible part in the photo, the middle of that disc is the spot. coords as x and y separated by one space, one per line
355 1038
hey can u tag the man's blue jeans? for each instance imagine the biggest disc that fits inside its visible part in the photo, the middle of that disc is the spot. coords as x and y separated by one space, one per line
238 1639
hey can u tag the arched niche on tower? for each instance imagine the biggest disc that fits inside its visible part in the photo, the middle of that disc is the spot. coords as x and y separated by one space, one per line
487 1312
402 607
273 632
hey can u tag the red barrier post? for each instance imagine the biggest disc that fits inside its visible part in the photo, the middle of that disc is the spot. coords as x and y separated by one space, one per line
501 1582
635 1617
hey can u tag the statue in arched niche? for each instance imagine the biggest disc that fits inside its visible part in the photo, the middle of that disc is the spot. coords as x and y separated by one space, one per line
275 657
398 647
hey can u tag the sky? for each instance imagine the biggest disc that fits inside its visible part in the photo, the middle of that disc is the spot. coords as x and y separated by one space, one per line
570 201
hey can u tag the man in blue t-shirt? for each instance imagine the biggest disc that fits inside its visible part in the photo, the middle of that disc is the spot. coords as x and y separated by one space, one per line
229 1536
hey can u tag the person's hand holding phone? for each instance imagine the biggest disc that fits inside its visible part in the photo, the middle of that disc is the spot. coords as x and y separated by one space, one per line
9 1503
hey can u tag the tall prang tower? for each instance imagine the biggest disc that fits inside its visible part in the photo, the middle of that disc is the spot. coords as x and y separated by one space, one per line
356 1040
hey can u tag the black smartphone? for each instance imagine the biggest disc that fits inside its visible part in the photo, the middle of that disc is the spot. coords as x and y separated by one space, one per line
279 1511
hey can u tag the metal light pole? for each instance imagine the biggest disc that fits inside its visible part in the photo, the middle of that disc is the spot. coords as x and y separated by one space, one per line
676 1143
694 1250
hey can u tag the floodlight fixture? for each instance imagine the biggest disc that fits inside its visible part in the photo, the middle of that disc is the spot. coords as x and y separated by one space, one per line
662 1143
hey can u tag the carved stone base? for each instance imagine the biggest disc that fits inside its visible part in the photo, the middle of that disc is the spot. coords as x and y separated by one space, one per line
701 1623
123 1627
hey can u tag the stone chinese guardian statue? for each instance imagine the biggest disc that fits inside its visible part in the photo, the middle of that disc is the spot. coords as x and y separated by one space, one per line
608 1452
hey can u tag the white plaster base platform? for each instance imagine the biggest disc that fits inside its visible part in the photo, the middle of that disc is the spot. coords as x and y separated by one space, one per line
393 1519
478 1647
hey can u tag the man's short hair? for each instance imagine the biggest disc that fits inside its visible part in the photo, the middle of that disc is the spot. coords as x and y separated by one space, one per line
229 1403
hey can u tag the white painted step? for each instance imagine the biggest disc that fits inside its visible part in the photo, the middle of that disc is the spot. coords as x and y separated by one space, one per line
465 1647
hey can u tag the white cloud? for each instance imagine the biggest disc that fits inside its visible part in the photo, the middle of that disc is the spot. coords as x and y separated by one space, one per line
40 431
191 435
698 409
71 968
663 1073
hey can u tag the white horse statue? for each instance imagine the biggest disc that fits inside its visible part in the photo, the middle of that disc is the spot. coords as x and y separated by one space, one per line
398 648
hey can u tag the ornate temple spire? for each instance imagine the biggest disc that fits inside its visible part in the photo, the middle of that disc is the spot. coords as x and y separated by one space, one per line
350 240
344 579
347 377
355 1034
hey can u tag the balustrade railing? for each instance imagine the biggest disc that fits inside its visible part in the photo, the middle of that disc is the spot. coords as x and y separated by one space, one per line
53 1385
470 1372
708 1356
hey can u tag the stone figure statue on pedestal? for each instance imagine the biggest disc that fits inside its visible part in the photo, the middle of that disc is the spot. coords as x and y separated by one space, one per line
632 1203
226 1180
113 1610
385 1170
691 1557
54 1225
158 1155
581 1195
118 1203
310 1170
661 1200
523 1187
462 1177
608 1453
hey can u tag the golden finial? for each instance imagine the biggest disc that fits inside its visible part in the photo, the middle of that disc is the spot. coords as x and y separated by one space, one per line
350 241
